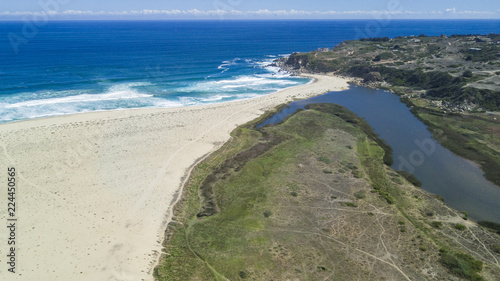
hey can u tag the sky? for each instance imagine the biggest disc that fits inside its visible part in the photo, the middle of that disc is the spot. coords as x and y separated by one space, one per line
249 9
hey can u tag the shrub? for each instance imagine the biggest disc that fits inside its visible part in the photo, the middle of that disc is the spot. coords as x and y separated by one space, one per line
383 56
327 171
466 215
352 166
350 204
357 174
491 226
411 178
377 39
459 226
496 248
325 159
243 274
462 265
360 194
436 224
267 213
467 74
397 180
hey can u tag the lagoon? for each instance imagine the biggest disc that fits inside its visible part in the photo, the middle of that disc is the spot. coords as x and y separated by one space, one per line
459 181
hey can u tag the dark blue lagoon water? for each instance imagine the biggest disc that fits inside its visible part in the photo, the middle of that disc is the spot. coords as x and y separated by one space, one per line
68 67
459 181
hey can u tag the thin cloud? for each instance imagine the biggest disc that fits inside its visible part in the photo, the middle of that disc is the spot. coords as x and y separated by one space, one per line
263 12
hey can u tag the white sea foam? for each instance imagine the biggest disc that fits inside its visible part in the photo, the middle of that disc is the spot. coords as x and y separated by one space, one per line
275 74
226 64
241 83
215 98
56 103
116 92
166 103
266 79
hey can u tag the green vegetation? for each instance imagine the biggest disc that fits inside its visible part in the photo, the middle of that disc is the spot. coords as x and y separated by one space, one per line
486 54
465 215
492 226
262 208
406 65
325 159
383 56
467 74
360 194
459 226
411 178
472 136
462 265
436 224
357 174
351 118
496 248
267 213
415 64
438 84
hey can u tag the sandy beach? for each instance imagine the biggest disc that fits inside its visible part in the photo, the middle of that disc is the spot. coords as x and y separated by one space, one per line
95 190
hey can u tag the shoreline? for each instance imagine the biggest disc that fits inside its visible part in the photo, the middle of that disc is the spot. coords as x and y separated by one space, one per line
312 81
115 113
115 176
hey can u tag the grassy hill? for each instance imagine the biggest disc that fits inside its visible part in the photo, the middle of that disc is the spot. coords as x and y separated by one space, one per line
449 82
461 71
311 199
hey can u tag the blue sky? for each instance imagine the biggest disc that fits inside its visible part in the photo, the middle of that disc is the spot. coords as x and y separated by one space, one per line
248 9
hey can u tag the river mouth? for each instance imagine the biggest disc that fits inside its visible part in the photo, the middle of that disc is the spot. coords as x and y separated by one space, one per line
459 181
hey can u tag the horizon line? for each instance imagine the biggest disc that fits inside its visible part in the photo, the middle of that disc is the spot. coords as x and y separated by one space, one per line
291 14
249 19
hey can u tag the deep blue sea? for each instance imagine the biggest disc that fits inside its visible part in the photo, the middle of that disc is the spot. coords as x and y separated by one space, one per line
68 67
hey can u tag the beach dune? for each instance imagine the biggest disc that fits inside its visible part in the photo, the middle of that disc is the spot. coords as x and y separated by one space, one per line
95 190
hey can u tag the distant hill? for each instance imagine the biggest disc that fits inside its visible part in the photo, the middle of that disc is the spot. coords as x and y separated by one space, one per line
460 71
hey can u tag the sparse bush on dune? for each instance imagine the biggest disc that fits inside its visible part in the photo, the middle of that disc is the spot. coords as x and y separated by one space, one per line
462 265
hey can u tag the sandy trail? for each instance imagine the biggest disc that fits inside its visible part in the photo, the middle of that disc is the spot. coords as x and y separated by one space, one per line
95 189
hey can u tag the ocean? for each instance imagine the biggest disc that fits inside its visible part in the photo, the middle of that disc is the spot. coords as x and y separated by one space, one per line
66 67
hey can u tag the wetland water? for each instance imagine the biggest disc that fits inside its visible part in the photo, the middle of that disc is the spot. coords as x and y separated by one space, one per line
458 180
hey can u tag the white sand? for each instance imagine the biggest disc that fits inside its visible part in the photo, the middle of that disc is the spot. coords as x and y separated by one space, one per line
95 190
